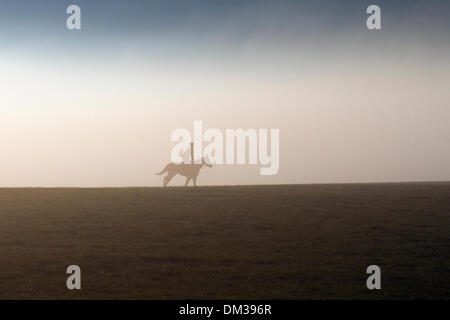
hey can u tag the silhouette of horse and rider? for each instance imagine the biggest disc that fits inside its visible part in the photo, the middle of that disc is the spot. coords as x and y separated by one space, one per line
188 170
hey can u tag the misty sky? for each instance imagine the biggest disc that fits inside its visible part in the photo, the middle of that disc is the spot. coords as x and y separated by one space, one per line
96 107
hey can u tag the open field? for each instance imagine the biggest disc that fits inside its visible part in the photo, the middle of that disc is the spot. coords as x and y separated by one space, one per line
250 242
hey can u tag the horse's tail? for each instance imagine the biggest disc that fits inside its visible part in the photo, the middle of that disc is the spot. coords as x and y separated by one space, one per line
166 168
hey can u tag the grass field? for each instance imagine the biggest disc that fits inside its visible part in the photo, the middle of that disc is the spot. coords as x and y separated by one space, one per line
246 242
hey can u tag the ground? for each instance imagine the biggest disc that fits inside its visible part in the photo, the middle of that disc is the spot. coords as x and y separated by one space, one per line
232 242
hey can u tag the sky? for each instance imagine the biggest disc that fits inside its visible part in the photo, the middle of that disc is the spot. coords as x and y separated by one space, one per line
96 107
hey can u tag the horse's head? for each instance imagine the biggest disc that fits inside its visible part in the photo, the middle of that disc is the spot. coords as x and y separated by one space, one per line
205 163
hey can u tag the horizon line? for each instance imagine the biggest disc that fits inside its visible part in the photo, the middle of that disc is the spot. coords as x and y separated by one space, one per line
239 185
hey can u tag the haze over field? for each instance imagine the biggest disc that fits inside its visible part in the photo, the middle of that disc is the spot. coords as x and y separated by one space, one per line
96 107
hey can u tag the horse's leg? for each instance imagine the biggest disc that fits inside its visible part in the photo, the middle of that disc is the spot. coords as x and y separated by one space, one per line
168 178
195 181
187 181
